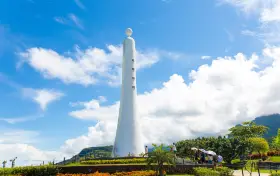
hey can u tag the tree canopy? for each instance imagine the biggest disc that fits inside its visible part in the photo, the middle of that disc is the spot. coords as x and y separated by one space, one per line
258 144
247 130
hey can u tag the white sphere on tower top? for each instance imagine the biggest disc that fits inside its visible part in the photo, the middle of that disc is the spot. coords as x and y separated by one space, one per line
128 32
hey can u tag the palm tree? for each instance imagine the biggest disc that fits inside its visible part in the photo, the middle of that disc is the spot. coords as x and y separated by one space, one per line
159 156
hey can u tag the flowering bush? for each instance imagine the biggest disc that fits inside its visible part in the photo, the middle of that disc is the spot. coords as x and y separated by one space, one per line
257 156
133 173
117 161
273 153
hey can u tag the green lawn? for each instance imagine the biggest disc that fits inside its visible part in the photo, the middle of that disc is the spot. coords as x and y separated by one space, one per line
275 159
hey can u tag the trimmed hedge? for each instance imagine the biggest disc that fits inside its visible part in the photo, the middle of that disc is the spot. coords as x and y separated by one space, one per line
117 161
47 170
200 171
222 171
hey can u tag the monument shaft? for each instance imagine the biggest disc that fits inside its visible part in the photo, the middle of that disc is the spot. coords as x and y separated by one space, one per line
128 136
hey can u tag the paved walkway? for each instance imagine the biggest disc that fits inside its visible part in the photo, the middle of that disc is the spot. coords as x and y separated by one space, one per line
239 173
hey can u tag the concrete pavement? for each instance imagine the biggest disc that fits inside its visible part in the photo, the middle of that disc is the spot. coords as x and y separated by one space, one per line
239 173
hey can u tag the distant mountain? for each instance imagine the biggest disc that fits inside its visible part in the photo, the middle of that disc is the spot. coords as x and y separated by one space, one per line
272 122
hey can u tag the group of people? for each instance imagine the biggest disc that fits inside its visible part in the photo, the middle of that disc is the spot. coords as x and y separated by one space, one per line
204 158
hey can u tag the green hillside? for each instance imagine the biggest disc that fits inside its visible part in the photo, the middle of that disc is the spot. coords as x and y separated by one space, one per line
272 122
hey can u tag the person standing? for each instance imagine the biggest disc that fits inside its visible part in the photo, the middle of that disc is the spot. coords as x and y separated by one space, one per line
146 151
174 149
210 159
202 157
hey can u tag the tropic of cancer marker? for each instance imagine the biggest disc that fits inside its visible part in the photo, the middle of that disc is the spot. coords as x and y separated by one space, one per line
128 138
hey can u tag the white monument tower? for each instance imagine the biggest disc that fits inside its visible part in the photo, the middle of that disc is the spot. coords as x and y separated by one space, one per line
128 136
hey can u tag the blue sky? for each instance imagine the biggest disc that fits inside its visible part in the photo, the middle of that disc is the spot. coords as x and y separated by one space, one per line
176 33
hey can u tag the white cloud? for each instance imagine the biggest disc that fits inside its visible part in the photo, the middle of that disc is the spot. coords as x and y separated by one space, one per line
20 119
271 14
220 95
80 4
268 14
20 144
248 32
231 37
76 20
71 20
42 96
205 57
60 20
27 154
89 66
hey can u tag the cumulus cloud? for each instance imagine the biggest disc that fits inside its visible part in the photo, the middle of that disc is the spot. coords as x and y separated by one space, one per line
89 66
268 15
42 96
20 144
227 92
27 154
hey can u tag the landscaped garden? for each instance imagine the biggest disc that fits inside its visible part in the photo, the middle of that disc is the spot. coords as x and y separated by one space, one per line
244 148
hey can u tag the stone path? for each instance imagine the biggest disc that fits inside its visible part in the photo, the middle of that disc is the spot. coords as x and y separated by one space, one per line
239 173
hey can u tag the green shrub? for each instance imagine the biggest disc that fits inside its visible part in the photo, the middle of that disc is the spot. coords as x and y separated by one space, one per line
275 174
31 171
117 161
224 171
202 171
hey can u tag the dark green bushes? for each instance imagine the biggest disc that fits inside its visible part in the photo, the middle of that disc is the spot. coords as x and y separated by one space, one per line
117 161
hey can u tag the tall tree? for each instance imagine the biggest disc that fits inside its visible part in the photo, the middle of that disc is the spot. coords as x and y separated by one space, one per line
258 144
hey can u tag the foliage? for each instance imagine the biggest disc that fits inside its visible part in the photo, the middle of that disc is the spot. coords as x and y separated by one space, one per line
258 156
202 171
116 161
224 171
248 130
229 148
31 171
258 144
275 174
276 141
133 173
160 156
273 153
221 171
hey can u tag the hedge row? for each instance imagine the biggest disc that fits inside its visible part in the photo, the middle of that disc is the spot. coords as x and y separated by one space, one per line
117 161
223 171
47 170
